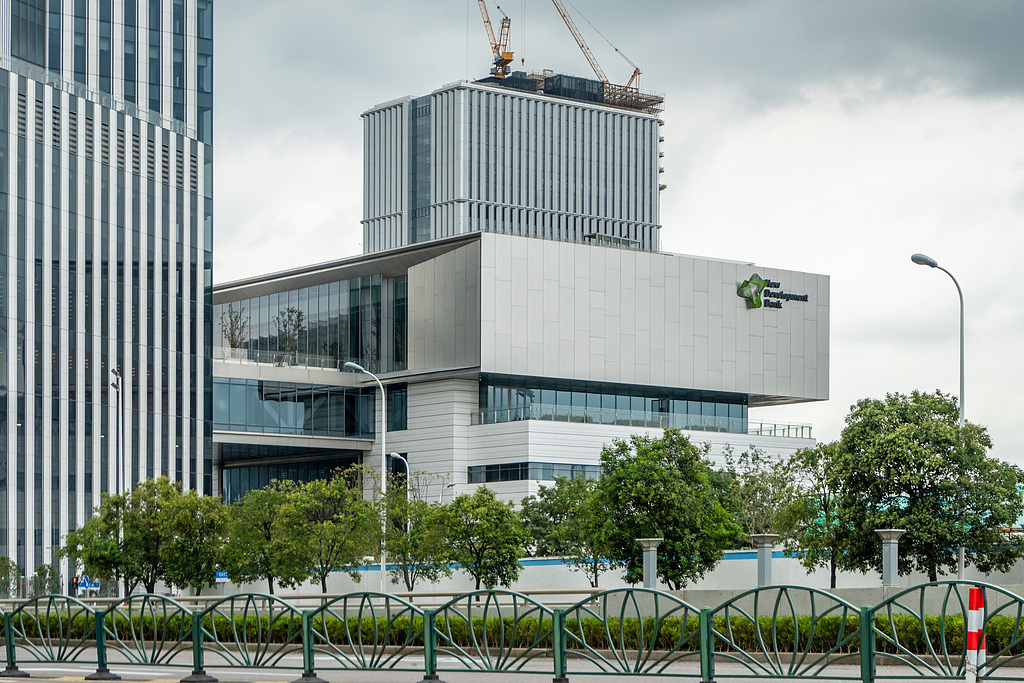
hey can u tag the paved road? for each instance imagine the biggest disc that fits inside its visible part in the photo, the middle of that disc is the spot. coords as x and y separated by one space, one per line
134 674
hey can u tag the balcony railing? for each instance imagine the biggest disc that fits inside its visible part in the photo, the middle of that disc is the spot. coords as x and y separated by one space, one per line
278 358
639 418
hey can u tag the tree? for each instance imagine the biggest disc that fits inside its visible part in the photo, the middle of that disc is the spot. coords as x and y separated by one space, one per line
46 581
234 325
567 520
810 523
10 575
486 537
133 538
261 543
906 464
337 527
661 487
417 544
194 548
289 327
146 532
99 544
765 486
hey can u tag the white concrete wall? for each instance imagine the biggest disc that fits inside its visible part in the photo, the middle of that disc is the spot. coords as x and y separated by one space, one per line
557 309
444 310
736 573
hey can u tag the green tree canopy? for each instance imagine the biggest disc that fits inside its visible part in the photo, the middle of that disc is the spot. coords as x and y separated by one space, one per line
417 542
149 535
261 543
905 464
661 488
809 524
10 576
486 537
194 548
337 527
100 547
765 487
567 520
46 580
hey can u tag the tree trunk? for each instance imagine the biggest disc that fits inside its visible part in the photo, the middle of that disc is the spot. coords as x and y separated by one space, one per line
270 581
323 583
832 568
933 574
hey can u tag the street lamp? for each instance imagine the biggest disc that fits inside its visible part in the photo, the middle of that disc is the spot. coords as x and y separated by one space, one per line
408 471
119 445
443 489
383 462
922 260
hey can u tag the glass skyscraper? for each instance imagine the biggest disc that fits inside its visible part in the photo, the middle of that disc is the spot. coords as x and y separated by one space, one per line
106 195
536 155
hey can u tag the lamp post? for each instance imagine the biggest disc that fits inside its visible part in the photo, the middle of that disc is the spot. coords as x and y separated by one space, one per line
407 472
383 463
922 260
119 478
119 481
440 500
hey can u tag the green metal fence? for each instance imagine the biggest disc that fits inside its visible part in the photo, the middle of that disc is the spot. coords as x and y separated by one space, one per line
781 632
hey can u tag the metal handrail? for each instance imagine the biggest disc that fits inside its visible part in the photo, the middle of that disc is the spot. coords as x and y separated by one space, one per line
641 418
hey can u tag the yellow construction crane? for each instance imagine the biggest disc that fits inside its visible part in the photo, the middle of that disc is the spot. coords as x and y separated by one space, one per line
627 96
499 46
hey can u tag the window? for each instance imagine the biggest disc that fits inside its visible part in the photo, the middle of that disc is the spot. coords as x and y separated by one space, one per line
398 407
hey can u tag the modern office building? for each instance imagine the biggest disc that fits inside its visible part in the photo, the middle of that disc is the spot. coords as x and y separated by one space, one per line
508 360
537 154
106 228
513 302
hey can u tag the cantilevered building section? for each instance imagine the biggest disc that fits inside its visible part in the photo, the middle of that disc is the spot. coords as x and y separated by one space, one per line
533 154
106 185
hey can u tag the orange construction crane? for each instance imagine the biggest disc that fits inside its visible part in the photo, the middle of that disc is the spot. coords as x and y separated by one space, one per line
499 46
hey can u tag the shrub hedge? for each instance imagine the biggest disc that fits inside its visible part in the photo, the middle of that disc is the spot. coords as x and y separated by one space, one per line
630 633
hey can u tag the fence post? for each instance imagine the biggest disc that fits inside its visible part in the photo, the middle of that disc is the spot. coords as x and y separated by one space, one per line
707 646
12 670
199 674
867 645
558 645
102 672
308 673
429 647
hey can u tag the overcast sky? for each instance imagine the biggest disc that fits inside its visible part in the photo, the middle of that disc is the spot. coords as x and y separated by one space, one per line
816 135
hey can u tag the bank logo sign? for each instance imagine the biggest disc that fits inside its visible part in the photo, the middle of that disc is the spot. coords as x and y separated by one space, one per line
765 293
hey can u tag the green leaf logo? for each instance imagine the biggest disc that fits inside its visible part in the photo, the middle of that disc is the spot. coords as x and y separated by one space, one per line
751 290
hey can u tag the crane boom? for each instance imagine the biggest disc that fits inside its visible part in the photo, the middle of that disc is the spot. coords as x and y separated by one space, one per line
487 25
499 46
579 40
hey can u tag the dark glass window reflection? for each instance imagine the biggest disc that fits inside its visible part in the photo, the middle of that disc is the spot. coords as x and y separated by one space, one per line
534 471
249 405
336 322
505 399
28 30
296 464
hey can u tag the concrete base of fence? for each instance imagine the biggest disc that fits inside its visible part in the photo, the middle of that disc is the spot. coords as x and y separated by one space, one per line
309 677
13 672
103 674
199 676
431 679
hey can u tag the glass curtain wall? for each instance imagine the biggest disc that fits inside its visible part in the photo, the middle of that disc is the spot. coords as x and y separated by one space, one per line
505 399
322 325
250 405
